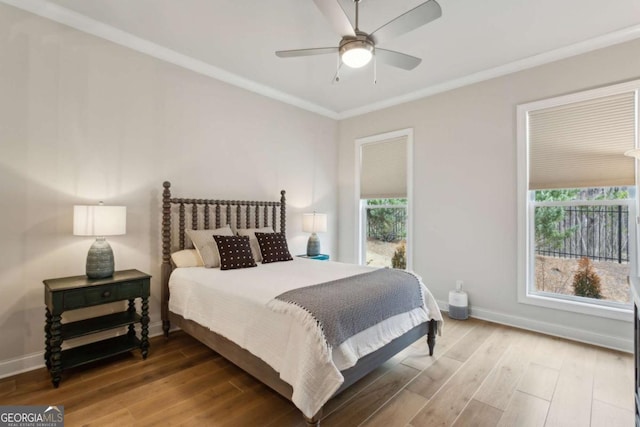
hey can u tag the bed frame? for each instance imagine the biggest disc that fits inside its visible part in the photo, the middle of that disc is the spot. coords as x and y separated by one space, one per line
250 214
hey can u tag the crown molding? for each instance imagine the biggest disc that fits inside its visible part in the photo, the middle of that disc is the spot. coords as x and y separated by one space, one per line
610 39
85 24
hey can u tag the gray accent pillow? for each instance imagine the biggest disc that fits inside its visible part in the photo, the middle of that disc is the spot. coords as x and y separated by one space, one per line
206 246
235 252
273 247
255 247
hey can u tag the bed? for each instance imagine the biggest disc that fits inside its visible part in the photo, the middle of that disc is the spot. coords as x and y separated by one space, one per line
234 312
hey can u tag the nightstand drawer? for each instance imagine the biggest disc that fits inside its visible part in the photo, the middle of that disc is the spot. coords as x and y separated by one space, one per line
78 298
130 290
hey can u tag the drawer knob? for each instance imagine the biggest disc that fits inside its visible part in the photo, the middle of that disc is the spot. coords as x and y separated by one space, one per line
106 294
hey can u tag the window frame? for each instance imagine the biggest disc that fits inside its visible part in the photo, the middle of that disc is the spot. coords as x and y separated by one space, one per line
526 221
360 217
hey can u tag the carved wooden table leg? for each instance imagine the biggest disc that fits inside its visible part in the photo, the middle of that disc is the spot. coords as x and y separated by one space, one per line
131 308
144 335
56 349
47 339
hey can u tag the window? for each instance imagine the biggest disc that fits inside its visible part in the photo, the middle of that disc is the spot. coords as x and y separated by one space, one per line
385 224
581 244
383 199
577 201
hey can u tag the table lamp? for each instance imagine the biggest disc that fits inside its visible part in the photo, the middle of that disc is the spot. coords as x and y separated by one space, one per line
314 223
99 221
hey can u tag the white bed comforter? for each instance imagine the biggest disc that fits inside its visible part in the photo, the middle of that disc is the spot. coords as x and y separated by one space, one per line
234 304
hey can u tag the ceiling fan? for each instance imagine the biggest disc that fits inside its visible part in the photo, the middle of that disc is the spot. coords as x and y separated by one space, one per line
357 48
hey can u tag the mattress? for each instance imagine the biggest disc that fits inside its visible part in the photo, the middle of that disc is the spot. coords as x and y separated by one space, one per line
235 304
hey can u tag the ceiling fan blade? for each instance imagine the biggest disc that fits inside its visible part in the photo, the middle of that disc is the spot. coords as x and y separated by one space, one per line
332 10
397 59
306 52
408 21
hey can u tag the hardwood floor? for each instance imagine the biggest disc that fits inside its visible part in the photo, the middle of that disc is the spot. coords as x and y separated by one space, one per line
482 374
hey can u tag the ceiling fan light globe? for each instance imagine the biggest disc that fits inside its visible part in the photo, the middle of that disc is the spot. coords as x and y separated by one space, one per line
357 53
356 58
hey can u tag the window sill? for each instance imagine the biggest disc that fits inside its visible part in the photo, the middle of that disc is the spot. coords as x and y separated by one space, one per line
616 311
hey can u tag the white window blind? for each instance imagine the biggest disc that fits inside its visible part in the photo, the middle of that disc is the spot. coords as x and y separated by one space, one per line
582 144
384 169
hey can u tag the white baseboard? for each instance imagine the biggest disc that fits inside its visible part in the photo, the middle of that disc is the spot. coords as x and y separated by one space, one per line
553 329
33 361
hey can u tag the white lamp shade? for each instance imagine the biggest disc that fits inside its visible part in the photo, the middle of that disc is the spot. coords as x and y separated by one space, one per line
314 223
98 220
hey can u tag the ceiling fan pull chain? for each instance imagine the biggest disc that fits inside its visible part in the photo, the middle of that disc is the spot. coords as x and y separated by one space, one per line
375 69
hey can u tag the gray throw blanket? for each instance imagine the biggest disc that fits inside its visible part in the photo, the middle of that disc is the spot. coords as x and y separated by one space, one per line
347 306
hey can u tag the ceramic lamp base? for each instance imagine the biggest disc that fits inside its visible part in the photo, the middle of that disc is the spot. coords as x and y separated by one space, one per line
100 260
313 245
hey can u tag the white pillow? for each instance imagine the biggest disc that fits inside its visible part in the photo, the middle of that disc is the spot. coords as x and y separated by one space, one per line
253 240
206 246
187 258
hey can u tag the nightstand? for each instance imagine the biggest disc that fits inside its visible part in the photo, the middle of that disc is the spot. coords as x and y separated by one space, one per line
70 293
319 257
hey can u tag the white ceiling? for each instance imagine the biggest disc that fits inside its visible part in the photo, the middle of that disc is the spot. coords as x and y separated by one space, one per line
235 40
